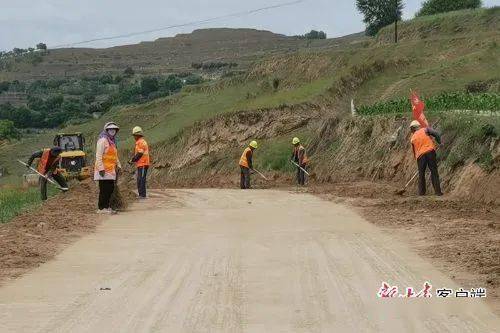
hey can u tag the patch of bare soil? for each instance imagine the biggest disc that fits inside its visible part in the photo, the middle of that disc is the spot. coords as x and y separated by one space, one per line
460 238
37 236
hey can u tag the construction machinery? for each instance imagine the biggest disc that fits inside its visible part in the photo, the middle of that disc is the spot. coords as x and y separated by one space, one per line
73 164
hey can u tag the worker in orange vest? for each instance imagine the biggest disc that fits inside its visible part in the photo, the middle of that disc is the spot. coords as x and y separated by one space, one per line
246 165
424 150
107 166
47 165
141 160
299 156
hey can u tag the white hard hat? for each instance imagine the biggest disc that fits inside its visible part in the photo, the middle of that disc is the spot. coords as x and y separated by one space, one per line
137 131
111 125
414 124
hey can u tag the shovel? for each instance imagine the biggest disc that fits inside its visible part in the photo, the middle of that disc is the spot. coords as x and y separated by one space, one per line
301 168
403 190
260 174
43 176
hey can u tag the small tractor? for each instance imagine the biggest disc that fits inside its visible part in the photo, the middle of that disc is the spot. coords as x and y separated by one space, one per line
73 164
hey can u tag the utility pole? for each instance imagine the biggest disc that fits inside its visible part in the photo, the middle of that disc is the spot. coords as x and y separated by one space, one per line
396 23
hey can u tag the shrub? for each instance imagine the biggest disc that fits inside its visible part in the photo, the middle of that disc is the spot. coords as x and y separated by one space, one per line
431 7
172 83
149 85
193 79
8 130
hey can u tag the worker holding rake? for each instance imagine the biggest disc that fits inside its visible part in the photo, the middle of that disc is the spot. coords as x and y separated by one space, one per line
246 165
300 160
47 167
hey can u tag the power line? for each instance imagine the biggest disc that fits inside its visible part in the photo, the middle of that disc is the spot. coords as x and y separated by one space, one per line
131 34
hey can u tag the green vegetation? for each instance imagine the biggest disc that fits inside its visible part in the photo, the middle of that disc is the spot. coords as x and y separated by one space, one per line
378 14
15 201
431 7
8 131
313 34
58 102
208 66
441 102
29 55
274 155
471 136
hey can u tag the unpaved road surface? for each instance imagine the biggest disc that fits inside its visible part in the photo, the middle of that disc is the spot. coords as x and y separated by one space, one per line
229 260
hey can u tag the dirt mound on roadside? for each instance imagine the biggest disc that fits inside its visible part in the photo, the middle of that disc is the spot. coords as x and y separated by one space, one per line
38 235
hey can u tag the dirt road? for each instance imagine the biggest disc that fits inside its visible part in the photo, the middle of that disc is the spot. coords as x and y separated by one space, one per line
226 260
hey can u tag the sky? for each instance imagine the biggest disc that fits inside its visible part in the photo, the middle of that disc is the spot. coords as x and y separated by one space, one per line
24 23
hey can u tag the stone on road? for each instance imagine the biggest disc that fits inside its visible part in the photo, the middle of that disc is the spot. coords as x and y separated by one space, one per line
235 261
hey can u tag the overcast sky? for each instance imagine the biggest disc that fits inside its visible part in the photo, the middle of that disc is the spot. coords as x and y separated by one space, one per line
24 23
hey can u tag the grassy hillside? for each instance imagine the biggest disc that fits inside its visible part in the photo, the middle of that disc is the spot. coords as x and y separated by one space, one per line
166 55
296 91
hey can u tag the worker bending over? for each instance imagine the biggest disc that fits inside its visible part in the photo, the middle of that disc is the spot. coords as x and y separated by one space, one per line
246 165
299 157
47 165
141 160
424 151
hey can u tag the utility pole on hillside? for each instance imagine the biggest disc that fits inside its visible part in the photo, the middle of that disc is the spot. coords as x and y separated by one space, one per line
396 22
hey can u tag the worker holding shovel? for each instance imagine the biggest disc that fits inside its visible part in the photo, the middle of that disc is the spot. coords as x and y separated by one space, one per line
246 165
424 151
47 167
300 160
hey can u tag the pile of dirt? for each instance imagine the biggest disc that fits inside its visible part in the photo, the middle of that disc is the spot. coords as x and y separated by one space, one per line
37 236
460 237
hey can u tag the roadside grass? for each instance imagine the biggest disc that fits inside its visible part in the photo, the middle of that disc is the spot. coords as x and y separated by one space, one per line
14 201
471 136
274 155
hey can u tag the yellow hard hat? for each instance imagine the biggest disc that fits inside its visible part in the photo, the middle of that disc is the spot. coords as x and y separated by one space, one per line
414 124
254 144
295 141
137 131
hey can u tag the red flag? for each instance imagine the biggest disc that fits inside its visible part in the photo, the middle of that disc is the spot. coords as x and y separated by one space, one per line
418 107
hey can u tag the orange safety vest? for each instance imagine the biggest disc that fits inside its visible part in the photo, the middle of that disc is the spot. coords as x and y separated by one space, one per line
46 163
141 146
243 159
110 159
296 153
422 143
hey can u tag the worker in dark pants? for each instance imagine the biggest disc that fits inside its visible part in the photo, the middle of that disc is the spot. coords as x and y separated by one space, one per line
424 150
47 165
107 166
299 156
141 160
246 165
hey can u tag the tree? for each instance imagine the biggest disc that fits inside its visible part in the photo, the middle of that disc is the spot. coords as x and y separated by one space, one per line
379 13
193 79
313 34
172 83
17 51
149 85
8 130
41 46
431 7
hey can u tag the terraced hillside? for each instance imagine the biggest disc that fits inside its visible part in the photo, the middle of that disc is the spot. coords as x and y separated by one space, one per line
167 55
